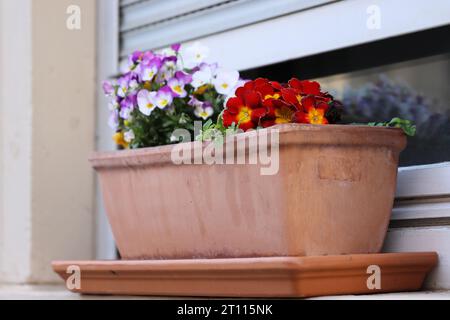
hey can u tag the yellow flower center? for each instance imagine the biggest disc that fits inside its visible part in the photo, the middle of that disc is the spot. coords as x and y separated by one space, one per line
316 116
178 89
275 96
244 115
283 115
150 105
151 74
164 102
225 85
202 89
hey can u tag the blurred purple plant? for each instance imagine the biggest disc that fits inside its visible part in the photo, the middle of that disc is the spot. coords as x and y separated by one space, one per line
385 99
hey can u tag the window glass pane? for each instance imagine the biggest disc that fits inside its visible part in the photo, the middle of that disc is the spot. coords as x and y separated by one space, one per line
418 90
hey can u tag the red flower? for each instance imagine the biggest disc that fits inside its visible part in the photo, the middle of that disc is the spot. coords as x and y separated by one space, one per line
278 112
245 110
266 103
276 85
293 97
314 111
266 88
298 89
305 87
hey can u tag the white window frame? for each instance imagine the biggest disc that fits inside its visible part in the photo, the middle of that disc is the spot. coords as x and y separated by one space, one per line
159 23
423 192
107 65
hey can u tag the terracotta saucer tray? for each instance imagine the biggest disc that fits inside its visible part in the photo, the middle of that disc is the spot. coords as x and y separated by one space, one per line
253 277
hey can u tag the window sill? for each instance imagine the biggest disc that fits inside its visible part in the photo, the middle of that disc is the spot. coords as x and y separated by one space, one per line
420 295
54 292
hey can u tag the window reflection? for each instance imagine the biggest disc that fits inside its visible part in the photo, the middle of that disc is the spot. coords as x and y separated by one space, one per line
418 90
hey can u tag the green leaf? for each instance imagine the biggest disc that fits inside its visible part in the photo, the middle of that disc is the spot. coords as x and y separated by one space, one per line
207 124
407 126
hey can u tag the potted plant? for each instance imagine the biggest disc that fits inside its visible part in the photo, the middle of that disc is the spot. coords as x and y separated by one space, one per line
268 172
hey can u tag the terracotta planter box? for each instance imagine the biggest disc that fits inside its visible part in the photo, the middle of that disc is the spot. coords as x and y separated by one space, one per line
332 195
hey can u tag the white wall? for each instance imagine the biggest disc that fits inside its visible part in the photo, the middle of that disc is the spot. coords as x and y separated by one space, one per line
1 138
15 117
48 130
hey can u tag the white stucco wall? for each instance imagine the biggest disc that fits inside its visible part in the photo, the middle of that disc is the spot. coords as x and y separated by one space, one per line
1 139
48 130
15 117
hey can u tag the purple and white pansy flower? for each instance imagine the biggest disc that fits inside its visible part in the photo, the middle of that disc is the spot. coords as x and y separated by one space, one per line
155 80
134 59
126 84
127 106
176 47
202 109
194 55
201 77
146 101
225 81
177 84
149 68
108 88
129 136
177 88
164 97
125 113
122 83
113 120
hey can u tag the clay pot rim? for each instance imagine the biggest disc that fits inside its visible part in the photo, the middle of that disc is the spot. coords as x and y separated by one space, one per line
317 135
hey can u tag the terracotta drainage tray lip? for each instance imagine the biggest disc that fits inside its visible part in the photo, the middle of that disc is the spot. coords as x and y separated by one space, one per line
252 277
